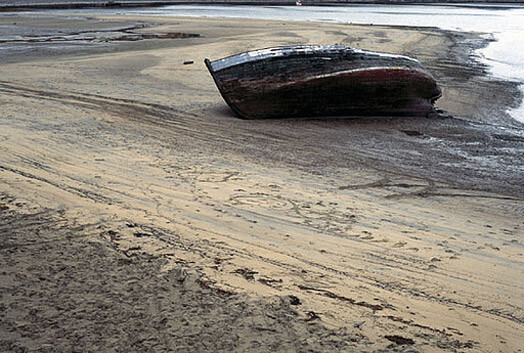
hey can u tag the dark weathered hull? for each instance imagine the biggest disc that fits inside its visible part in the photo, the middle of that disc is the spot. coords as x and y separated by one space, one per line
323 81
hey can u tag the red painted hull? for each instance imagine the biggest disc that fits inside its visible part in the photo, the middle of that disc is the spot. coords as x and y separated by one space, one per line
388 86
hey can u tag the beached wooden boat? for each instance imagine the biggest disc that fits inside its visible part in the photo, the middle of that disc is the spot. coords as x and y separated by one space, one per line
304 81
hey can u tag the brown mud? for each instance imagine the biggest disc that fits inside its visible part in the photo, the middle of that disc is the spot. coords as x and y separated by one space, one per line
138 214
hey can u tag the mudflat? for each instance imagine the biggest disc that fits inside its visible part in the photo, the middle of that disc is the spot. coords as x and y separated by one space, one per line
139 214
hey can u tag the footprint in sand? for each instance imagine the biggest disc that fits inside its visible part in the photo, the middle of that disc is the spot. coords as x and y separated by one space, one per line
399 244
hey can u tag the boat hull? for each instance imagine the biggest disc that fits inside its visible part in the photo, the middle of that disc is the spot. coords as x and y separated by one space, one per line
323 81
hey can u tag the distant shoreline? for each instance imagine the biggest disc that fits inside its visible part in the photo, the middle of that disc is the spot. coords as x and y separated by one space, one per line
20 5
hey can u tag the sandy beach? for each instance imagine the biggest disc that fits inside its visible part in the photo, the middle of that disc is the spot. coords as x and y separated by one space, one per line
138 214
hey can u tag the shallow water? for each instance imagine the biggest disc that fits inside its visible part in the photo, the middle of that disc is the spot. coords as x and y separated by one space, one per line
505 24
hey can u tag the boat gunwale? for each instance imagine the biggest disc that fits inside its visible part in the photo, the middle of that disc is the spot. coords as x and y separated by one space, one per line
279 52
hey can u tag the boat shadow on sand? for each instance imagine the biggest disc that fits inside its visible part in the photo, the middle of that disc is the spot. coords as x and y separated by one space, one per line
225 112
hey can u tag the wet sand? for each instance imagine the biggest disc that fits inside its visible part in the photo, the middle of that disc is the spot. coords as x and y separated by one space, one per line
138 214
